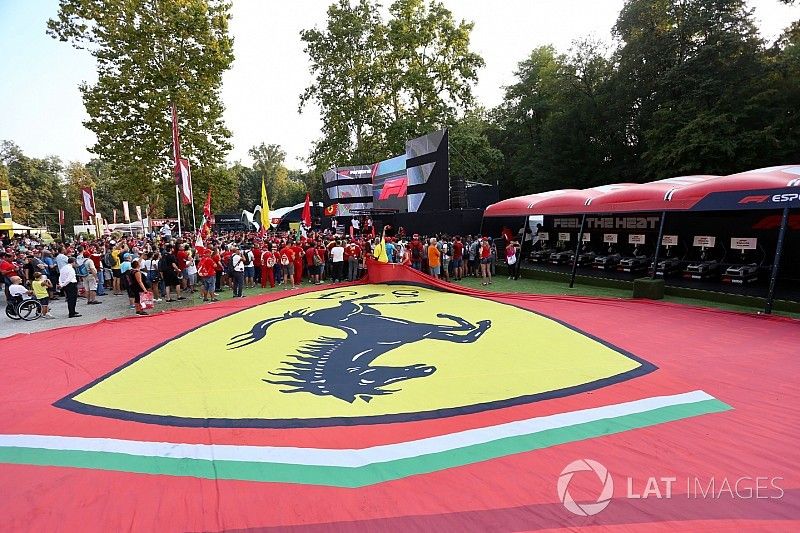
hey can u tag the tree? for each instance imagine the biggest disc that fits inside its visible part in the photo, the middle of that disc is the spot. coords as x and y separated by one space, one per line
379 83
34 184
693 70
150 55
346 63
471 154
430 70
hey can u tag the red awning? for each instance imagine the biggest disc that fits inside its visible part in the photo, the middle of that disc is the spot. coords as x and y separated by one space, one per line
522 205
651 196
702 195
576 201
763 188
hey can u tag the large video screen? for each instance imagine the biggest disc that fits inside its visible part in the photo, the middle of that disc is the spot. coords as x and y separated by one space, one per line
389 184
419 180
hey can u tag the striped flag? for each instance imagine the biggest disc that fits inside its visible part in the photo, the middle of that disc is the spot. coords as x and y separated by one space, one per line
87 203
186 181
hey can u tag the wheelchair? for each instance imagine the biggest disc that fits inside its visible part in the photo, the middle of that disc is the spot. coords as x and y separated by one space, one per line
20 309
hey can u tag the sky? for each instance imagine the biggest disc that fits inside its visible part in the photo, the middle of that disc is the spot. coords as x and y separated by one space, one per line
42 112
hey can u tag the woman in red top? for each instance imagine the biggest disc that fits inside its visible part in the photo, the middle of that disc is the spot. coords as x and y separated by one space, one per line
486 259
267 265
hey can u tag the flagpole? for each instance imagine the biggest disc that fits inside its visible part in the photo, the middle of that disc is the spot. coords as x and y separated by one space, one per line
178 206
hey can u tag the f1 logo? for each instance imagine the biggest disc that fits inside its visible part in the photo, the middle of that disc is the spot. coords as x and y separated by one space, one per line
395 187
754 199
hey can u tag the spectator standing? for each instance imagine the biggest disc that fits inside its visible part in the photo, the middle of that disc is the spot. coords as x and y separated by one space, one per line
434 258
458 258
68 282
337 259
208 276
485 255
353 259
41 286
237 267
267 267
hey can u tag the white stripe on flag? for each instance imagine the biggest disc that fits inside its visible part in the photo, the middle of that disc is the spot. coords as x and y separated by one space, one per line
351 457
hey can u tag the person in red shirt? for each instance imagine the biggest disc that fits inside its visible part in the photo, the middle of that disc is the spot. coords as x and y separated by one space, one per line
299 254
226 259
352 255
207 270
7 270
416 249
182 258
267 261
458 258
311 265
486 259
287 264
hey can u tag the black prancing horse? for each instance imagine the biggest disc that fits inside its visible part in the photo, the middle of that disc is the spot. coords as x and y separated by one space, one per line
341 367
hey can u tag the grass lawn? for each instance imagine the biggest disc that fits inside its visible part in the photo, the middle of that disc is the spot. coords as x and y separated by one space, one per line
534 286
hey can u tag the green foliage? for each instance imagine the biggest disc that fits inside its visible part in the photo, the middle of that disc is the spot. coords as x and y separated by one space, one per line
380 82
691 88
34 184
149 55
471 154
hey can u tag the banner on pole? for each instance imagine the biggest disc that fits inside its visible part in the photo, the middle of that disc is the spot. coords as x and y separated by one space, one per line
126 211
186 181
87 203
139 212
60 217
5 201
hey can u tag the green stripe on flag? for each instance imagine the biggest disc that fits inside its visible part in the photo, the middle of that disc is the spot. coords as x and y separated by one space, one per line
352 477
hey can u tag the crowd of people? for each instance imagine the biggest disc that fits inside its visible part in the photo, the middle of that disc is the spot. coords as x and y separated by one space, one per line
162 268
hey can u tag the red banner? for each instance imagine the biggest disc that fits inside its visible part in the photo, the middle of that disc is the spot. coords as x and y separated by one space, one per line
87 203
60 217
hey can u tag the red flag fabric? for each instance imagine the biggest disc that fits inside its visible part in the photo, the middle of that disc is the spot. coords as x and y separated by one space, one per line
306 217
60 217
207 207
185 181
176 145
87 203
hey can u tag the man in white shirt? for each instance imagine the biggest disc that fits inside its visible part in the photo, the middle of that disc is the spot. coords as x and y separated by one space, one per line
337 258
68 282
18 289
237 262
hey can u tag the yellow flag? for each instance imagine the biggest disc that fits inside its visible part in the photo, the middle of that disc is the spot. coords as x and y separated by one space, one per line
264 206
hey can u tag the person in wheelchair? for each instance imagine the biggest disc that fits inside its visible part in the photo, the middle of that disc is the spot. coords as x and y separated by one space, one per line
17 291
21 304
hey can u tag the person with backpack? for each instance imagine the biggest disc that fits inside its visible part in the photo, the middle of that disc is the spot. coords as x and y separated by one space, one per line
88 272
267 267
249 268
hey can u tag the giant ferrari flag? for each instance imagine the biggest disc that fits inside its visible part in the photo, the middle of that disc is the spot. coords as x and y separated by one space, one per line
402 403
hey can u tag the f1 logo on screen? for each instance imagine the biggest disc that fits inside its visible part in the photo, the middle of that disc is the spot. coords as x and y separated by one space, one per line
394 187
